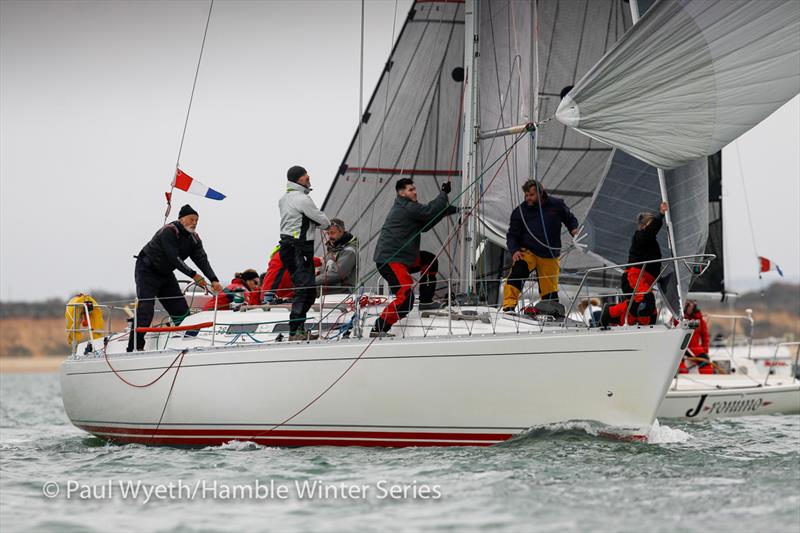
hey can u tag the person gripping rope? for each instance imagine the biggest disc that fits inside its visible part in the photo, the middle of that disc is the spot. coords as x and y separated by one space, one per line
534 242
299 215
406 220
639 279
155 264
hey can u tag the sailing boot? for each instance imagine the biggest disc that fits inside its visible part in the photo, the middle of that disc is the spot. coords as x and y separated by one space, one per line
605 316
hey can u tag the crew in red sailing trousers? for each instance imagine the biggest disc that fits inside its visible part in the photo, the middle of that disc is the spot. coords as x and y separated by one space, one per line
398 254
638 280
697 351
277 283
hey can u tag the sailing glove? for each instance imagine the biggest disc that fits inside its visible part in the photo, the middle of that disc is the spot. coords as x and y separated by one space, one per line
446 187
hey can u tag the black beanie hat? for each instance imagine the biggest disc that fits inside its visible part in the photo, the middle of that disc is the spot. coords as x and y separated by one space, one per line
186 210
295 173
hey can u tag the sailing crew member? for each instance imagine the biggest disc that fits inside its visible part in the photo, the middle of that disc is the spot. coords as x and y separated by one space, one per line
338 272
276 285
299 215
165 252
406 221
534 241
243 289
697 351
640 278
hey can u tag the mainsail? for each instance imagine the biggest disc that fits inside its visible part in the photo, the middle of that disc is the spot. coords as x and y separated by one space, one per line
531 53
689 78
410 128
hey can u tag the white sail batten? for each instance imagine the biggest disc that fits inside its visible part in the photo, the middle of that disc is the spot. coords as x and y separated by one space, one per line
689 78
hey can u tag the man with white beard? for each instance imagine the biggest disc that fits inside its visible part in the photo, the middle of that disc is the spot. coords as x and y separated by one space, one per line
155 265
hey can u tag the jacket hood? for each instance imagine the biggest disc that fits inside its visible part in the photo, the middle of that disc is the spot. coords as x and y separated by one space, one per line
345 240
292 186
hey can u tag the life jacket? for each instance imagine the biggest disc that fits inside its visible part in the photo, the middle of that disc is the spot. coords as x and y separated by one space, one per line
78 322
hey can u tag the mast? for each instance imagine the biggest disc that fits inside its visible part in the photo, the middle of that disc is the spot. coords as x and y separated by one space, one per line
662 185
469 139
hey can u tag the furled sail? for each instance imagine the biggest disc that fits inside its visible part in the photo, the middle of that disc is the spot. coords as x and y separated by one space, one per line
522 74
409 129
689 78
713 279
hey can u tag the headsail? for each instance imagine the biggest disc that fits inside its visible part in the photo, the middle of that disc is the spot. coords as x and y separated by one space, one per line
409 129
631 186
689 78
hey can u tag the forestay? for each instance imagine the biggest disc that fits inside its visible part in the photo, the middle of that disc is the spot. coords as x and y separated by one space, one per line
689 78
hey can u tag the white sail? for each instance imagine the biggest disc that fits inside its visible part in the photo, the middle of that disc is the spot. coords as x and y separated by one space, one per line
689 78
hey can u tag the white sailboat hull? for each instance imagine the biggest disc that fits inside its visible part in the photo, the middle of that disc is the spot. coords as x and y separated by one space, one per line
715 396
433 391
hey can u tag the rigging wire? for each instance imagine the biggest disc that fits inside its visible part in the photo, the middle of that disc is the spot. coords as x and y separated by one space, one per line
360 118
383 122
746 200
749 219
188 111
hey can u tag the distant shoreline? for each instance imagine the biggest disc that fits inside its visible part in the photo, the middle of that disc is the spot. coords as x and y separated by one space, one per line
27 365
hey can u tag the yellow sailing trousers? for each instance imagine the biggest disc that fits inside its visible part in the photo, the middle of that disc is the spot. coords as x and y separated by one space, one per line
547 270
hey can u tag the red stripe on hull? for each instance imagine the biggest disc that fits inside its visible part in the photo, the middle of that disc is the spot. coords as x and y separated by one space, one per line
282 437
283 442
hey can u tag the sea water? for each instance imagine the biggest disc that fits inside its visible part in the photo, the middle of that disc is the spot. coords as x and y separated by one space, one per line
740 474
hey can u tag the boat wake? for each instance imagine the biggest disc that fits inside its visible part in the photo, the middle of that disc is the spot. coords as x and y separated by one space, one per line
238 446
657 434
666 435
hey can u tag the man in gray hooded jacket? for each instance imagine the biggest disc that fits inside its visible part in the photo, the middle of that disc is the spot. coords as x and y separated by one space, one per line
299 217
339 271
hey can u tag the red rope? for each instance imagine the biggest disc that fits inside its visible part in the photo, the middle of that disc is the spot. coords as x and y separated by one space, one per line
161 329
114 370
169 394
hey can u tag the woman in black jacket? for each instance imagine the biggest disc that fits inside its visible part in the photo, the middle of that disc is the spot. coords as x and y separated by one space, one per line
638 280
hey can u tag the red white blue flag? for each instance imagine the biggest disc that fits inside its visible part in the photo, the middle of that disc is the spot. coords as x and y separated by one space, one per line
187 183
765 265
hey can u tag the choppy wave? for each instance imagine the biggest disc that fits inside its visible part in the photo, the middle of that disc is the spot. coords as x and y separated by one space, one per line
666 435
561 477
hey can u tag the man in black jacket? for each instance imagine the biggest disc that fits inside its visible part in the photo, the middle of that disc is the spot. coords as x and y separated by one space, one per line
155 264
397 254
534 242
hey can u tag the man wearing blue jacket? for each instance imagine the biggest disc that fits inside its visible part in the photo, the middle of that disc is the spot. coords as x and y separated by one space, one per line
534 241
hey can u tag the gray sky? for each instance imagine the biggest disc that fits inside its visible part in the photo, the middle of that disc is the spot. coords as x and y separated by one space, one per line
93 97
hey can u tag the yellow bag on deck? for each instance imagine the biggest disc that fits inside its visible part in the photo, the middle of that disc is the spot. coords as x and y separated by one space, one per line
76 319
